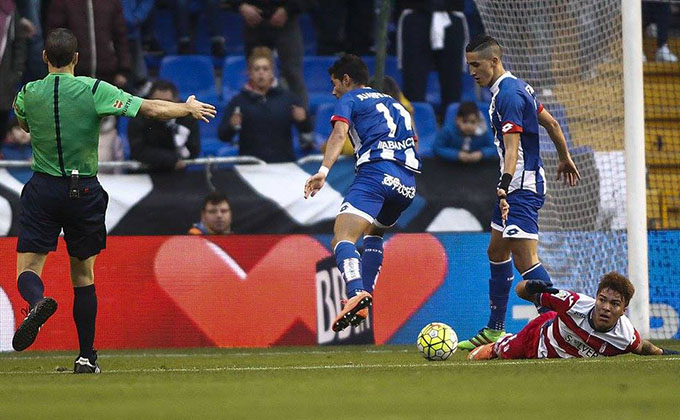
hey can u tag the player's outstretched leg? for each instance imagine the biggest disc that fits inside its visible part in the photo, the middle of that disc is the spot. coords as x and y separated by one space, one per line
499 290
485 352
31 289
358 299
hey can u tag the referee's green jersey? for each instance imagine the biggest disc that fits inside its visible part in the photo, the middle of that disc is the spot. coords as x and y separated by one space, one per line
63 114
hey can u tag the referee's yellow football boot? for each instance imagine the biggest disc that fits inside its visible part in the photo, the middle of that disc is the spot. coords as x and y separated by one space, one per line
27 332
484 336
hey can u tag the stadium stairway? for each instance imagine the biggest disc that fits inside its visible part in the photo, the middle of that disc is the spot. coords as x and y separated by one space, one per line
662 138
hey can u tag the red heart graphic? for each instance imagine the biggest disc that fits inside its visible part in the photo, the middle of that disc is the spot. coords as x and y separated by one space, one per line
277 296
414 267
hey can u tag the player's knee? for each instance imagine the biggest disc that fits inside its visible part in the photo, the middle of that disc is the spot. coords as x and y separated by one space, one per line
497 254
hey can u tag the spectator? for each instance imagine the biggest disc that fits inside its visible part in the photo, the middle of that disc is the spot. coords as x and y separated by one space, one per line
136 13
183 17
468 140
274 24
105 57
345 26
264 113
17 144
215 216
30 11
12 59
659 13
164 144
432 33
110 145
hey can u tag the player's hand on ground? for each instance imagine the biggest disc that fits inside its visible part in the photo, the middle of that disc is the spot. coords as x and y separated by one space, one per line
251 14
567 169
199 110
505 208
314 184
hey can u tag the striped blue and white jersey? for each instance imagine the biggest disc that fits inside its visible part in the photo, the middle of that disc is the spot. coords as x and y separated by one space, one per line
380 128
514 109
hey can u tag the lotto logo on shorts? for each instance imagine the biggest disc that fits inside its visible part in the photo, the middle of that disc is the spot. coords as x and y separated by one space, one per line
395 183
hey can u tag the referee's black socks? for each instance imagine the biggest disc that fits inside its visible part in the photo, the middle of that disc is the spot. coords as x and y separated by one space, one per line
85 314
30 287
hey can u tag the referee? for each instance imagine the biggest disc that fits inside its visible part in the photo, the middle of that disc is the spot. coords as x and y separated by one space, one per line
63 112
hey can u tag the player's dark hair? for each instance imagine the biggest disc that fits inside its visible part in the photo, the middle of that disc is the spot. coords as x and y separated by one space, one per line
352 66
617 283
484 43
467 108
60 46
215 197
164 85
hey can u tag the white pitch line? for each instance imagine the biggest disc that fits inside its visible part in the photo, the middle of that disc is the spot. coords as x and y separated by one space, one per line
341 367
187 355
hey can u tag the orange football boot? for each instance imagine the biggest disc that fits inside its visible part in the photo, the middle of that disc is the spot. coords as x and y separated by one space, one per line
354 311
484 352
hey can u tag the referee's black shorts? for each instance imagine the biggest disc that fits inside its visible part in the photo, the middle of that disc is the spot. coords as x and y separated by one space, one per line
47 208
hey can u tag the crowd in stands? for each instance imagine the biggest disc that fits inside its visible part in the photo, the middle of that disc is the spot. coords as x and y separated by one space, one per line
263 64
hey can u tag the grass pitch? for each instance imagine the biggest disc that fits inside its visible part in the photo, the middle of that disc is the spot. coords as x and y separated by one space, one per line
362 382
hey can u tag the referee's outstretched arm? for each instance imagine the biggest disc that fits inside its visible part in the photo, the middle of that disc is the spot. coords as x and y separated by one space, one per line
166 110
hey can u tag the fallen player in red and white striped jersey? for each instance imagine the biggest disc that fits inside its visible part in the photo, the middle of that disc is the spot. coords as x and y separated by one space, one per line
575 325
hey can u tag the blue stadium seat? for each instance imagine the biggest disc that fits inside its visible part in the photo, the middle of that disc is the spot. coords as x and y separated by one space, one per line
210 129
432 94
391 67
193 75
319 87
469 88
234 76
426 125
322 123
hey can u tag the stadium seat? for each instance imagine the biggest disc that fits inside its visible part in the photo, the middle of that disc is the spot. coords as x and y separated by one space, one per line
319 87
234 76
432 94
426 125
193 75
391 67
210 129
322 123
308 33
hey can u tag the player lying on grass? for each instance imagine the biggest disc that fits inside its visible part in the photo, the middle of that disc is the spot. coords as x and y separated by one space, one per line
576 325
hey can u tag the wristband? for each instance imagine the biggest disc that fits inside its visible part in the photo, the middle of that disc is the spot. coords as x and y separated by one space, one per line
504 183
323 170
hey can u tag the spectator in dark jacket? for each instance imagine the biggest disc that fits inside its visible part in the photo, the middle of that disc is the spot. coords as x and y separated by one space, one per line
12 59
263 113
105 57
164 144
468 139
274 24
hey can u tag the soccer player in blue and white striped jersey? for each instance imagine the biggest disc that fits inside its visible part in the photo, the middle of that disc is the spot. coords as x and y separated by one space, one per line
515 116
384 141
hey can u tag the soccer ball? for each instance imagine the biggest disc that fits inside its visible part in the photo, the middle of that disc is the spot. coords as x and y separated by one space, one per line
437 341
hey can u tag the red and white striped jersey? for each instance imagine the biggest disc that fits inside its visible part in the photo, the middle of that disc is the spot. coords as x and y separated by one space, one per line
571 333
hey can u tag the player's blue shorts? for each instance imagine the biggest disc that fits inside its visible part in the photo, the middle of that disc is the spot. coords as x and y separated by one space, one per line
522 220
381 191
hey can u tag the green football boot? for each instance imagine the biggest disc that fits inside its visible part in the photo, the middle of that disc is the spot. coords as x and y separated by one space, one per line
484 336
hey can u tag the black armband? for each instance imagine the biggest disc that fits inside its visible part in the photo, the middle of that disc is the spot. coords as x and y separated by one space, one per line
504 183
667 352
